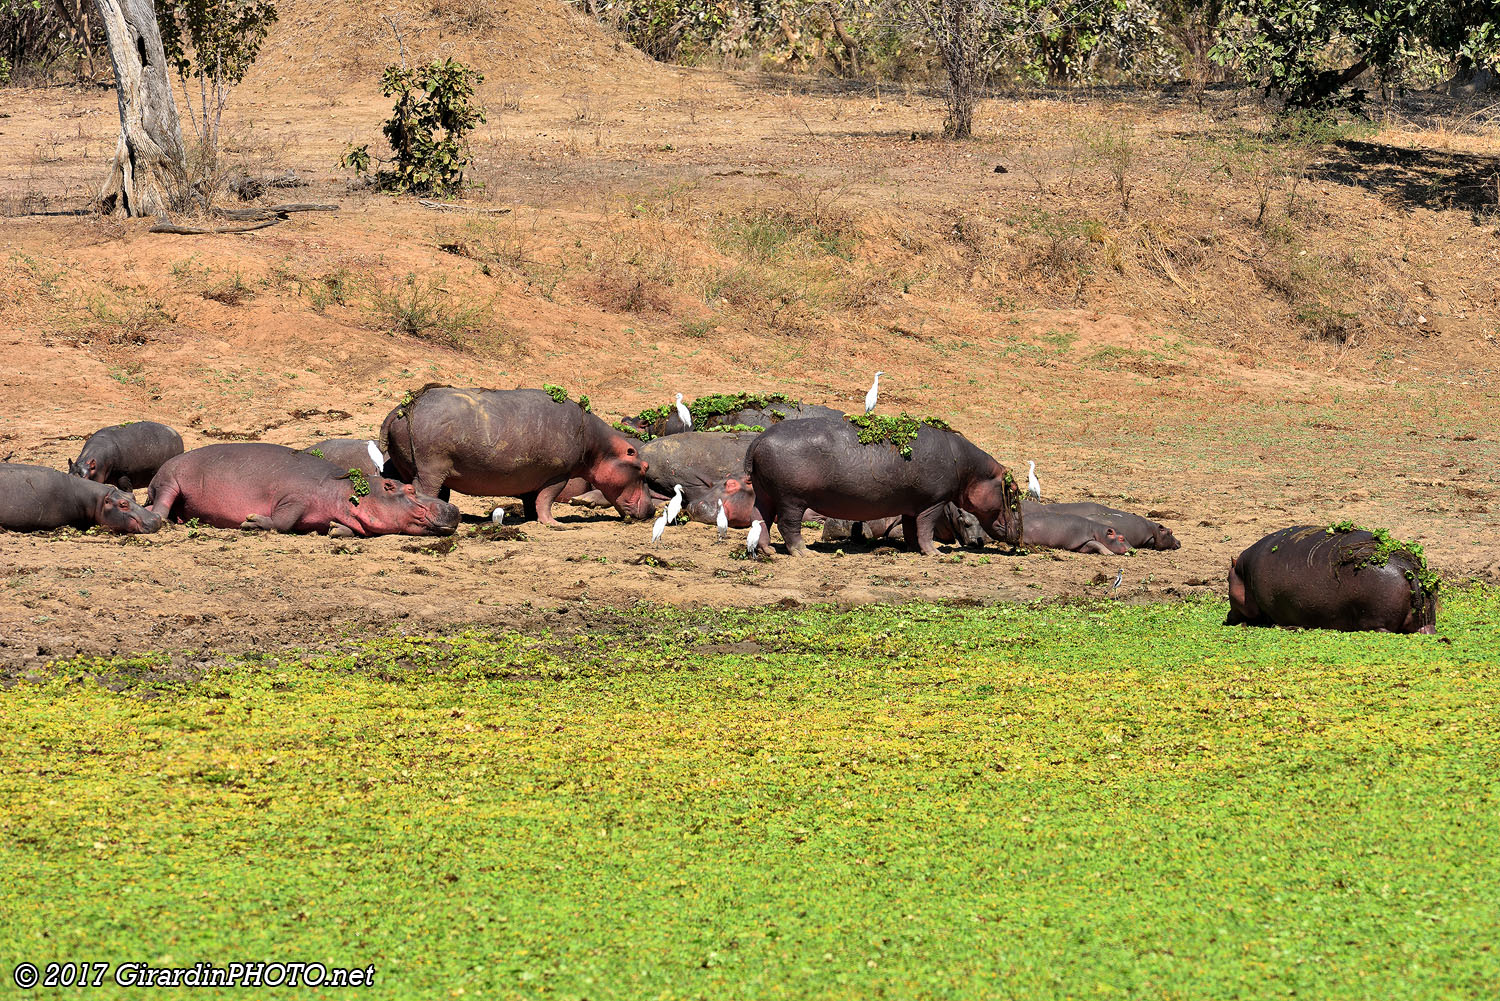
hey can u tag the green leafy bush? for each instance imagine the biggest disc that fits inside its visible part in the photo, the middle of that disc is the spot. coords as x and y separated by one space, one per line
428 128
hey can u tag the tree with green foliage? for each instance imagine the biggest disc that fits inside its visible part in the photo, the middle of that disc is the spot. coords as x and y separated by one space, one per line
212 42
428 128
1311 53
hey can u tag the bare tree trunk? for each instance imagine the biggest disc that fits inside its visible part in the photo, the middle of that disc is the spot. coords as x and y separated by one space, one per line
149 176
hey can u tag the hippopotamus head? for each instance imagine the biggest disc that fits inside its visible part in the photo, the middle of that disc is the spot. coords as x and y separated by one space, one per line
637 427
1113 541
620 474
394 508
86 468
1163 538
118 512
739 502
995 499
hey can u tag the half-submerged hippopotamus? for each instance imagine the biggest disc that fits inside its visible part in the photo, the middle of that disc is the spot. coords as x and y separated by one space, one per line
350 453
820 464
127 455
1339 577
1139 532
37 499
253 485
748 409
1074 532
710 467
512 443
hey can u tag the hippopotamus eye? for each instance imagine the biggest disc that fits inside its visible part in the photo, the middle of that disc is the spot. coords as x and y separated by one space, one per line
629 450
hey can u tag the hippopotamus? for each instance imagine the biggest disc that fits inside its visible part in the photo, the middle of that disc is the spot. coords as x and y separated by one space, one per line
36 499
254 485
710 466
512 443
1312 577
1054 530
758 411
350 453
126 455
953 525
1139 532
819 463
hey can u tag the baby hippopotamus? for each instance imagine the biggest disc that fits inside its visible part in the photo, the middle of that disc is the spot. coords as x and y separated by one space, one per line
261 486
1140 532
1339 577
126 455
37 499
1044 527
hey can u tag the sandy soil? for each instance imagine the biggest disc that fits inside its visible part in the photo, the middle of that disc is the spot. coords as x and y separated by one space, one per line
1168 355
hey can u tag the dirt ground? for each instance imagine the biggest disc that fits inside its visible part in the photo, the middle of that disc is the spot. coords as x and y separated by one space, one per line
1178 320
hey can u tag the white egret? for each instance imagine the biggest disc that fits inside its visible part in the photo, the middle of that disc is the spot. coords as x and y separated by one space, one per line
1033 485
658 528
722 520
498 515
874 393
375 455
683 414
752 542
674 506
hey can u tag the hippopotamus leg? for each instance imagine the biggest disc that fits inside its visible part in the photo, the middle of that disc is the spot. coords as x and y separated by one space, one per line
1241 606
921 527
283 517
789 515
542 502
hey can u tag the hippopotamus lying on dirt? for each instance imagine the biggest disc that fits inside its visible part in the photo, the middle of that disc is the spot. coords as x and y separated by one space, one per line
1139 532
954 524
259 486
512 443
758 411
819 463
127 455
350 453
1329 578
1074 532
36 499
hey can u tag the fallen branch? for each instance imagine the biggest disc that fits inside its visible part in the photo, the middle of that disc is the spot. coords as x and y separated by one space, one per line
428 203
268 215
166 226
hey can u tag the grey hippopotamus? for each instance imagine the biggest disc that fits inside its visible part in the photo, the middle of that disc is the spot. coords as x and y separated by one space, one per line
254 485
37 499
512 443
1337 577
710 466
748 409
1139 532
126 455
350 453
1054 530
818 463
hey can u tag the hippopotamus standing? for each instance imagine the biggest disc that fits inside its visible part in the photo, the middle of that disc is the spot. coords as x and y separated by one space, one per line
757 411
253 485
36 499
819 463
1140 532
512 443
350 453
127 455
1045 527
1326 578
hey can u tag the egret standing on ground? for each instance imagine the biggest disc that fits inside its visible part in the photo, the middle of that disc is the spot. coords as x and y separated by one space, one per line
874 393
683 414
722 520
658 528
674 506
752 542
1033 485
497 515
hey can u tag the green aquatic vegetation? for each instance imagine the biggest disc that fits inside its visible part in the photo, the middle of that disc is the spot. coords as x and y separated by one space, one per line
705 408
561 396
910 801
1384 545
899 430
734 427
361 485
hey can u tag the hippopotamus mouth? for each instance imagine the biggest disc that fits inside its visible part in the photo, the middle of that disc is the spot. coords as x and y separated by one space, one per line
440 518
